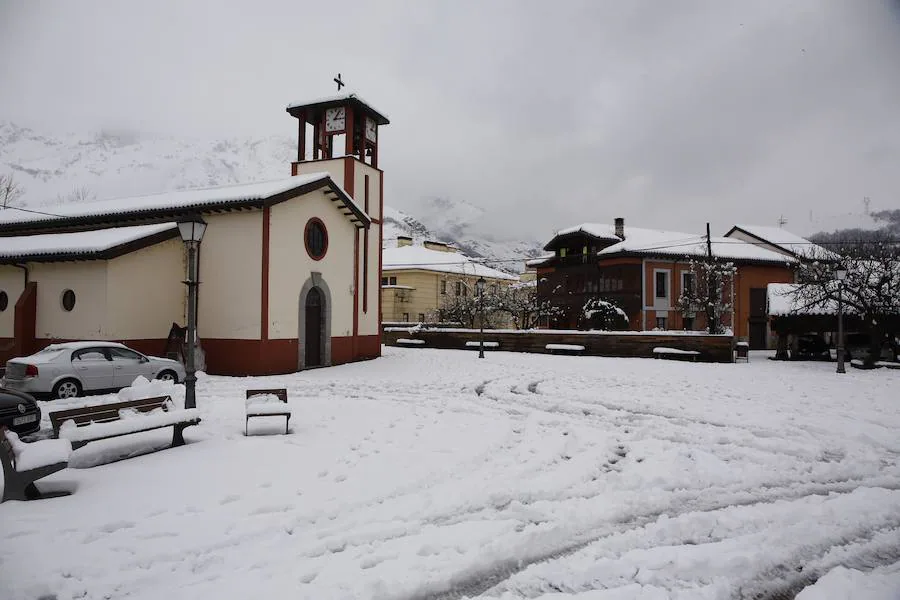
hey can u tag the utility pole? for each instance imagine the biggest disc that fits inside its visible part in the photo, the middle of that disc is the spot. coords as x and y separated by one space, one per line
711 286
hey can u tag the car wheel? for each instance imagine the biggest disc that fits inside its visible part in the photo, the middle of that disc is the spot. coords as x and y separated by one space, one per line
168 376
67 388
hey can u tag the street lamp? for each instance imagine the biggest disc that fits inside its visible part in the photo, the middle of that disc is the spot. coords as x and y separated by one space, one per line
191 230
479 287
841 275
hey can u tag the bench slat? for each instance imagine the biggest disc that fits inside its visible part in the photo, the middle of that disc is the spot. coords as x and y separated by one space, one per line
102 413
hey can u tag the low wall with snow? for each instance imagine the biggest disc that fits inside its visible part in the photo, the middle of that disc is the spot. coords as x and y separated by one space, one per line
711 348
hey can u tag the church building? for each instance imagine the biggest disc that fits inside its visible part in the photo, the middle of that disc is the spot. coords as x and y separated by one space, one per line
289 270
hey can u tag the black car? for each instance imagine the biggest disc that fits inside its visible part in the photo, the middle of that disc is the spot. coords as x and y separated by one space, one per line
19 412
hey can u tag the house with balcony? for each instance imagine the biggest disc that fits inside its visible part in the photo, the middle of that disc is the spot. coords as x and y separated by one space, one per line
416 279
645 272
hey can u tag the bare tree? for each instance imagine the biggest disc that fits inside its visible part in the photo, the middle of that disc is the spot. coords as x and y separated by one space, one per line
523 305
870 290
706 292
80 193
10 191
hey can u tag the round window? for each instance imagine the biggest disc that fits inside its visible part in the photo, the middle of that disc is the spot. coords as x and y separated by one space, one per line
68 300
316 239
4 301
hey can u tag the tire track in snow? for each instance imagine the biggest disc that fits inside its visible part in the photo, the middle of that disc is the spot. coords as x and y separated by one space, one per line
490 578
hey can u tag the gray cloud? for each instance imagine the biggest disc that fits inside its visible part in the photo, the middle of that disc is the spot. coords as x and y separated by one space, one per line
544 113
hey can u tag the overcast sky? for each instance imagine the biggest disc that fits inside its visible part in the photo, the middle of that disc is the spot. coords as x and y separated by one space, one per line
545 113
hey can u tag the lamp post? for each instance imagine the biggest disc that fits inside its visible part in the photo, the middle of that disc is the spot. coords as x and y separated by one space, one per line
479 286
841 275
191 230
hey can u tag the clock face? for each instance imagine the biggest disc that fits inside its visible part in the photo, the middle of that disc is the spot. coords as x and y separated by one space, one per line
371 130
335 119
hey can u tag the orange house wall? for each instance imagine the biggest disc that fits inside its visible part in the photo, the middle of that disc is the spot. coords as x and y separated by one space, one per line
754 276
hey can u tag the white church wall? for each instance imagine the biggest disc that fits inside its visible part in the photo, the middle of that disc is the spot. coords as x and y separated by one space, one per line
230 275
333 166
368 321
359 187
88 318
12 281
290 265
145 293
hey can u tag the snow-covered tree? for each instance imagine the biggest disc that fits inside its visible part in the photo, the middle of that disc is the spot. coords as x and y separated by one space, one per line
10 191
523 306
871 289
602 314
709 292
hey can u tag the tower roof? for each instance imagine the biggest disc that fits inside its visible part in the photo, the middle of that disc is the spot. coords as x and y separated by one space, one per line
312 110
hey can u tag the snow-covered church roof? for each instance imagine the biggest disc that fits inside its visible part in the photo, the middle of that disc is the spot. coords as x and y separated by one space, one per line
778 238
169 203
426 259
82 245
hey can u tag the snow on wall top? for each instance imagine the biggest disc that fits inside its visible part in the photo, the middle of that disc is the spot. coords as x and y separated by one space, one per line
785 240
164 200
783 299
419 257
674 243
81 242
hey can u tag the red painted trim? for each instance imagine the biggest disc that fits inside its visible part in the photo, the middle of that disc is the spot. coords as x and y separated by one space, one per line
264 280
380 249
375 221
305 237
348 176
367 195
366 268
355 286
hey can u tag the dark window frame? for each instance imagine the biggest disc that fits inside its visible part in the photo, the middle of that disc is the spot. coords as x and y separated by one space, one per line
4 300
67 300
315 238
661 276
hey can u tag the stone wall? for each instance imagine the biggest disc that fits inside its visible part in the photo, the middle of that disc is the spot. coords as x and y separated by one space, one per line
712 348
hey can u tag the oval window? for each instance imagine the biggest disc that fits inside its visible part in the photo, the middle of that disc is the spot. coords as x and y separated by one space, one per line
316 239
4 301
68 300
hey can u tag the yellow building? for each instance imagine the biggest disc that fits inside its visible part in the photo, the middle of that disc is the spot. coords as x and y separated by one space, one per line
415 279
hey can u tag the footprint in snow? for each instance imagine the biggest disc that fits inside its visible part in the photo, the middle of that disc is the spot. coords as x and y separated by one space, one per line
229 499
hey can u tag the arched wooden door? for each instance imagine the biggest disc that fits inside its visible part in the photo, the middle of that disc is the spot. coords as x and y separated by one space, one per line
314 334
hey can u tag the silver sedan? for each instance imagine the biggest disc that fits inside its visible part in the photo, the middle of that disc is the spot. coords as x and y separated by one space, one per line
71 369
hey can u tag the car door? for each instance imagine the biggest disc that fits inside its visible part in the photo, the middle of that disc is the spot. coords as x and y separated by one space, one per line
93 367
127 365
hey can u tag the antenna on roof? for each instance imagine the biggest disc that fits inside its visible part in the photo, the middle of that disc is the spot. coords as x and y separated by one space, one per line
782 221
339 82
867 201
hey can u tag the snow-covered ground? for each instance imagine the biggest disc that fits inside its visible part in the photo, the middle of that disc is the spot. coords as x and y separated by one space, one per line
433 474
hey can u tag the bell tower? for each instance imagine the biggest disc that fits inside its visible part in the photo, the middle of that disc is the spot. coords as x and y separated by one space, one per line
342 125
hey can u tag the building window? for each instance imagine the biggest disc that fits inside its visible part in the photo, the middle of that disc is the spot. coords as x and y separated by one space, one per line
688 323
316 238
662 280
406 317
661 322
68 300
459 288
443 286
688 284
494 288
384 281
392 281
421 317
4 301
562 252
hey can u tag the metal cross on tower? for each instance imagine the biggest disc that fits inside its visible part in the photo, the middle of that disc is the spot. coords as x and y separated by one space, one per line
338 81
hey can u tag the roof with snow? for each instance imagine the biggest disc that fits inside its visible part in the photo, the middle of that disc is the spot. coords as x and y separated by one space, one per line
169 206
83 245
314 106
786 241
421 258
785 299
656 242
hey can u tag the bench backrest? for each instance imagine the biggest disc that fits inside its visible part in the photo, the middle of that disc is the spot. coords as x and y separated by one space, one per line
104 413
281 394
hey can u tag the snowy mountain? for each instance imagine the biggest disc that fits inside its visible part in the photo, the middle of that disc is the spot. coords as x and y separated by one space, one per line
58 168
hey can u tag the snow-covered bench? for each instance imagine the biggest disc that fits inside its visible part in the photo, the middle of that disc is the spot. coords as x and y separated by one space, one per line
564 348
410 342
675 354
487 345
743 351
267 403
103 421
23 464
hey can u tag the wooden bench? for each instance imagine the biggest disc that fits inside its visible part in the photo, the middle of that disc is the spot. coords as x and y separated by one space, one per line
742 352
106 420
564 348
410 342
487 345
18 484
268 409
675 354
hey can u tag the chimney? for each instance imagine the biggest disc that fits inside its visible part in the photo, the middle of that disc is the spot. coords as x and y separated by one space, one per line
403 240
620 228
439 246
